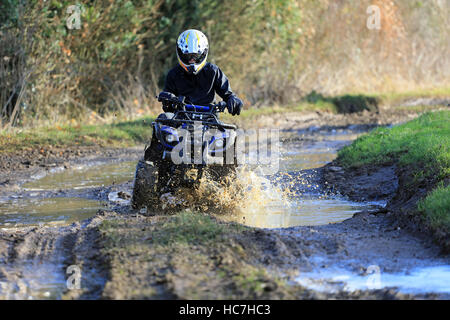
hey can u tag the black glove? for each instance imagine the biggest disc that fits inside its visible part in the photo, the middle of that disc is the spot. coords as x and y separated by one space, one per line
234 105
168 106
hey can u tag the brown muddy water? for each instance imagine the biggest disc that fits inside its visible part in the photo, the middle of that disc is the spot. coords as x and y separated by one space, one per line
31 209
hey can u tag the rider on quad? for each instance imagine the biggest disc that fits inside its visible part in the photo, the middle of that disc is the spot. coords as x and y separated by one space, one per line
195 79
191 84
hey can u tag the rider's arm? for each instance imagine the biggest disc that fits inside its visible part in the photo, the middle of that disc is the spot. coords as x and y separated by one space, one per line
223 89
222 85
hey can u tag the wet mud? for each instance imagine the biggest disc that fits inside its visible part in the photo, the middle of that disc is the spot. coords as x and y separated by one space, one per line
35 261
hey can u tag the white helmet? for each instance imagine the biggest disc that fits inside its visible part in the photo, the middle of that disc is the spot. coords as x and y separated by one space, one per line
192 50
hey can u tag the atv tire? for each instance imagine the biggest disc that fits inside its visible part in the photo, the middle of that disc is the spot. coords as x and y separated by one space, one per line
144 187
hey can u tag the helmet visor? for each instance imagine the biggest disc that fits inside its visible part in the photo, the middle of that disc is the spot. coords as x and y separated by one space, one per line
189 58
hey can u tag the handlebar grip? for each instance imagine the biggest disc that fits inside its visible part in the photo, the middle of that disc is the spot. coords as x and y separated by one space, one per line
221 106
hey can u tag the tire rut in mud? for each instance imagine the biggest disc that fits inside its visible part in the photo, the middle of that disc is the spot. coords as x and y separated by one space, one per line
31 257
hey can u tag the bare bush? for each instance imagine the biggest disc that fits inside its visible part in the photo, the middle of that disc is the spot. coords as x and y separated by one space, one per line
13 76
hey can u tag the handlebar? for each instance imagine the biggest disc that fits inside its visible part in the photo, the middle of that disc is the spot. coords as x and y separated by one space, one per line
180 105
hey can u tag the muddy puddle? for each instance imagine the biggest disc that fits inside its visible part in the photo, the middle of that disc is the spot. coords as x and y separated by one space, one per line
81 177
49 211
298 212
31 208
302 149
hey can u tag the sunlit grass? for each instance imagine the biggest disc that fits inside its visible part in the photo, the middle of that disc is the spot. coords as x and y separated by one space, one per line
424 140
436 207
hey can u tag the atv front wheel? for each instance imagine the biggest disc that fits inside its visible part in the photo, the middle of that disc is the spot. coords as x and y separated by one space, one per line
144 188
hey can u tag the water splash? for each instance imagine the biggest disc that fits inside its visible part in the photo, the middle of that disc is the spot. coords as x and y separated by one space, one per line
244 191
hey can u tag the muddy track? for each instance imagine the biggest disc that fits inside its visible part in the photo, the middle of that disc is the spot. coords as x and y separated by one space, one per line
220 270
370 238
86 254
24 252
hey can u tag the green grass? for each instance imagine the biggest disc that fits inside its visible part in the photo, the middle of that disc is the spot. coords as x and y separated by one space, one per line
425 140
436 207
423 145
252 279
189 228
123 134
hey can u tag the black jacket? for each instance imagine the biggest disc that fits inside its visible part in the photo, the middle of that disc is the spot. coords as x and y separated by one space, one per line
198 89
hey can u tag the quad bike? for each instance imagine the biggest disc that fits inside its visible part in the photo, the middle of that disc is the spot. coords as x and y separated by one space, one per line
184 145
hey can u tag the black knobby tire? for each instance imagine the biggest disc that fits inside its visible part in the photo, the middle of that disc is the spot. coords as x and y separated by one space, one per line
144 187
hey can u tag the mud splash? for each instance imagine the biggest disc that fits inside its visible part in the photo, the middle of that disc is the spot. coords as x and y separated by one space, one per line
236 194
258 201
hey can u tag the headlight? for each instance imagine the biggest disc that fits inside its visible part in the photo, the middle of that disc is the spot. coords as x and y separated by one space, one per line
171 138
219 143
